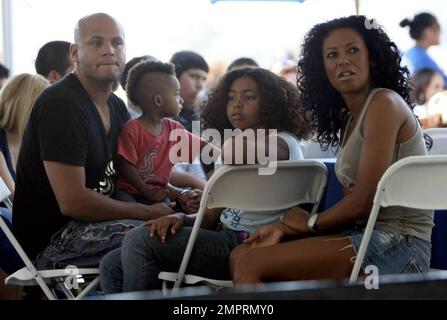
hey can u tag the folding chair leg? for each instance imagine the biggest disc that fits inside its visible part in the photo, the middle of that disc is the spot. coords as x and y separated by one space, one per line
165 288
92 285
50 295
61 285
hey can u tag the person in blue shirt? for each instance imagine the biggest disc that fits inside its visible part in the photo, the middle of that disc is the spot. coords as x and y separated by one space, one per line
426 31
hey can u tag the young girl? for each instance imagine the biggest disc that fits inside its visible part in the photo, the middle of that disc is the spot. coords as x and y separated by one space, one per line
351 80
245 99
144 161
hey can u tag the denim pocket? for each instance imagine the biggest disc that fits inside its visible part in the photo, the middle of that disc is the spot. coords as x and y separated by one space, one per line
420 251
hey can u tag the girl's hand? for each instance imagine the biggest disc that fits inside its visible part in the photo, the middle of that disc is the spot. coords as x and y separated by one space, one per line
193 199
190 201
160 226
293 225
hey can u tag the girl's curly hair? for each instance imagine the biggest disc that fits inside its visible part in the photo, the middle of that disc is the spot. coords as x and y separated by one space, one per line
324 106
280 103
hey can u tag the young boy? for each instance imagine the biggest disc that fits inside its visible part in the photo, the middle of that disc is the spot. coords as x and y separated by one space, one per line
143 160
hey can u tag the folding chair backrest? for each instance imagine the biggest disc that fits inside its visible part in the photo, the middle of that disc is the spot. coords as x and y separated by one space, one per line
439 136
414 182
242 187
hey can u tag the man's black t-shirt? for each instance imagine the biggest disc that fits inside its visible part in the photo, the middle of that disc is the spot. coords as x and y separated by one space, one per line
65 127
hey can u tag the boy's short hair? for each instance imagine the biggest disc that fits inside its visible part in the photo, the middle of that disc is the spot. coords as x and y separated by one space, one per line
184 60
54 55
4 72
139 70
129 65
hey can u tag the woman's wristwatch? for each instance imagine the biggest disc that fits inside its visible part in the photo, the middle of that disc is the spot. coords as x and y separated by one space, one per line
312 221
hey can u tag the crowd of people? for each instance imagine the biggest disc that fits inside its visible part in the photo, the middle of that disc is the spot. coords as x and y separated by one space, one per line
94 180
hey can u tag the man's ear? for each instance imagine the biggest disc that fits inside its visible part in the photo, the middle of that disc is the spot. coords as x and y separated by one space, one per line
158 100
74 52
54 76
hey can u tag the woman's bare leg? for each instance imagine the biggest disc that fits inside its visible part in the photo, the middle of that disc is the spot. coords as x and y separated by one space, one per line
311 258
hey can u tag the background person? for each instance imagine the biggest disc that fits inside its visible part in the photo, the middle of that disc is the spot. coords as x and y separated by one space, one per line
53 60
426 31
427 83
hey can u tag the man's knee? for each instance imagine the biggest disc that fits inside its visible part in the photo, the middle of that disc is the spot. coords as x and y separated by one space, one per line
110 261
136 237
110 272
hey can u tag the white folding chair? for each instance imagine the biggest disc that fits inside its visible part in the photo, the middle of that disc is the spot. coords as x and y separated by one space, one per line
312 150
414 182
30 276
439 136
242 187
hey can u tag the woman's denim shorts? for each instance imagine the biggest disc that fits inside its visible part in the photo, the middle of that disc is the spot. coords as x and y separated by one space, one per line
392 252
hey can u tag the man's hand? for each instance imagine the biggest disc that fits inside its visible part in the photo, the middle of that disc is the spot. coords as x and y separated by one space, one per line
157 195
160 209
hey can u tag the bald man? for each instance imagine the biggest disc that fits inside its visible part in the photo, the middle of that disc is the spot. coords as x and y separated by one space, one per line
63 212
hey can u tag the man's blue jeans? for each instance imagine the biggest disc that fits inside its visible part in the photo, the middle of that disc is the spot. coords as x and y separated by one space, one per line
136 265
83 244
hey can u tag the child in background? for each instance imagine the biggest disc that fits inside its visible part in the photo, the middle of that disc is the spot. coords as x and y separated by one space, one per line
427 83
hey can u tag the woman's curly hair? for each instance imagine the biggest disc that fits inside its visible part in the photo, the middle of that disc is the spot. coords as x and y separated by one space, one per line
324 106
280 103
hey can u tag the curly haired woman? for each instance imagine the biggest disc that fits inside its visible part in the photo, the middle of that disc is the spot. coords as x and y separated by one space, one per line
245 99
351 82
